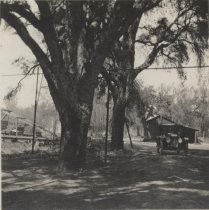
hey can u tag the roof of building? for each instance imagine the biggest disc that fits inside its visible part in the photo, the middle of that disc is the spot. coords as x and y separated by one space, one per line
152 118
169 123
190 128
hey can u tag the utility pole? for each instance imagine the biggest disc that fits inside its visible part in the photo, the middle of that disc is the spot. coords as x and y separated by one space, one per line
107 121
127 127
16 127
35 109
54 129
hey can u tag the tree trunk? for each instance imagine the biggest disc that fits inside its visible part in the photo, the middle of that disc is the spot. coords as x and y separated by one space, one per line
118 116
138 131
74 137
125 59
76 109
74 140
118 120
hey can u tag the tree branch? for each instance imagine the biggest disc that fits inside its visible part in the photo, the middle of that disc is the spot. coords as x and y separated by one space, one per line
108 79
167 56
150 59
41 57
158 47
145 42
19 84
123 15
151 5
28 15
76 17
50 35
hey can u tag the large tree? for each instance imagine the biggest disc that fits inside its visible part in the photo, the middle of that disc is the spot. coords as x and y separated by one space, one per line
122 60
78 36
169 39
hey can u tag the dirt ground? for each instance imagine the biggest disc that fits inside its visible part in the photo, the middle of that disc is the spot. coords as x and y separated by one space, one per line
137 180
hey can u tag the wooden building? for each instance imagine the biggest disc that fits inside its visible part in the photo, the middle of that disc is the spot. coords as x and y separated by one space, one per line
158 124
15 124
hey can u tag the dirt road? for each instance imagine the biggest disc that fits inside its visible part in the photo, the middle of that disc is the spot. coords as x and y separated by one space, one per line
141 180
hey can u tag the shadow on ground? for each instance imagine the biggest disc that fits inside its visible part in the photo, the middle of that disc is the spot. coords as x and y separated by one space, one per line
142 180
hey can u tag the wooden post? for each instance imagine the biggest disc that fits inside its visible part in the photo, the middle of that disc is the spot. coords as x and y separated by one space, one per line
195 136
16 127
129 134
107 121
54 129
35 109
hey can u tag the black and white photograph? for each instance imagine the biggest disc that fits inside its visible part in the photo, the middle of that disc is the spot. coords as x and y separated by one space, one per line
104 104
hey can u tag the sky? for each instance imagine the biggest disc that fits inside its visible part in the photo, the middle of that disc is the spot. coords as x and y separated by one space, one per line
12 47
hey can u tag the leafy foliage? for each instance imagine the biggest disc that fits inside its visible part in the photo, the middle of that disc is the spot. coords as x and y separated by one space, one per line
173 37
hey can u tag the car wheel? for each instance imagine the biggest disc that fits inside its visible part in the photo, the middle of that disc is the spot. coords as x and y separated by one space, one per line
178 151
161 151
186 149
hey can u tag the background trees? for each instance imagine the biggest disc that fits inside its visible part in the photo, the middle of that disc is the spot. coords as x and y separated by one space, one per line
185 105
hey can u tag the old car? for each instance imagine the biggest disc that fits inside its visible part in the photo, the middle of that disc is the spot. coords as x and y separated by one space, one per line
170 135
172 141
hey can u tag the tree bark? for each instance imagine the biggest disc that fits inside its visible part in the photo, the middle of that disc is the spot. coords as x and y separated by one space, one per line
74 137
118 120
75 114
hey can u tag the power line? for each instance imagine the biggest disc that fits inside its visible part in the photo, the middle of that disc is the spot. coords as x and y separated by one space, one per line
183 67
13 75
150 68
